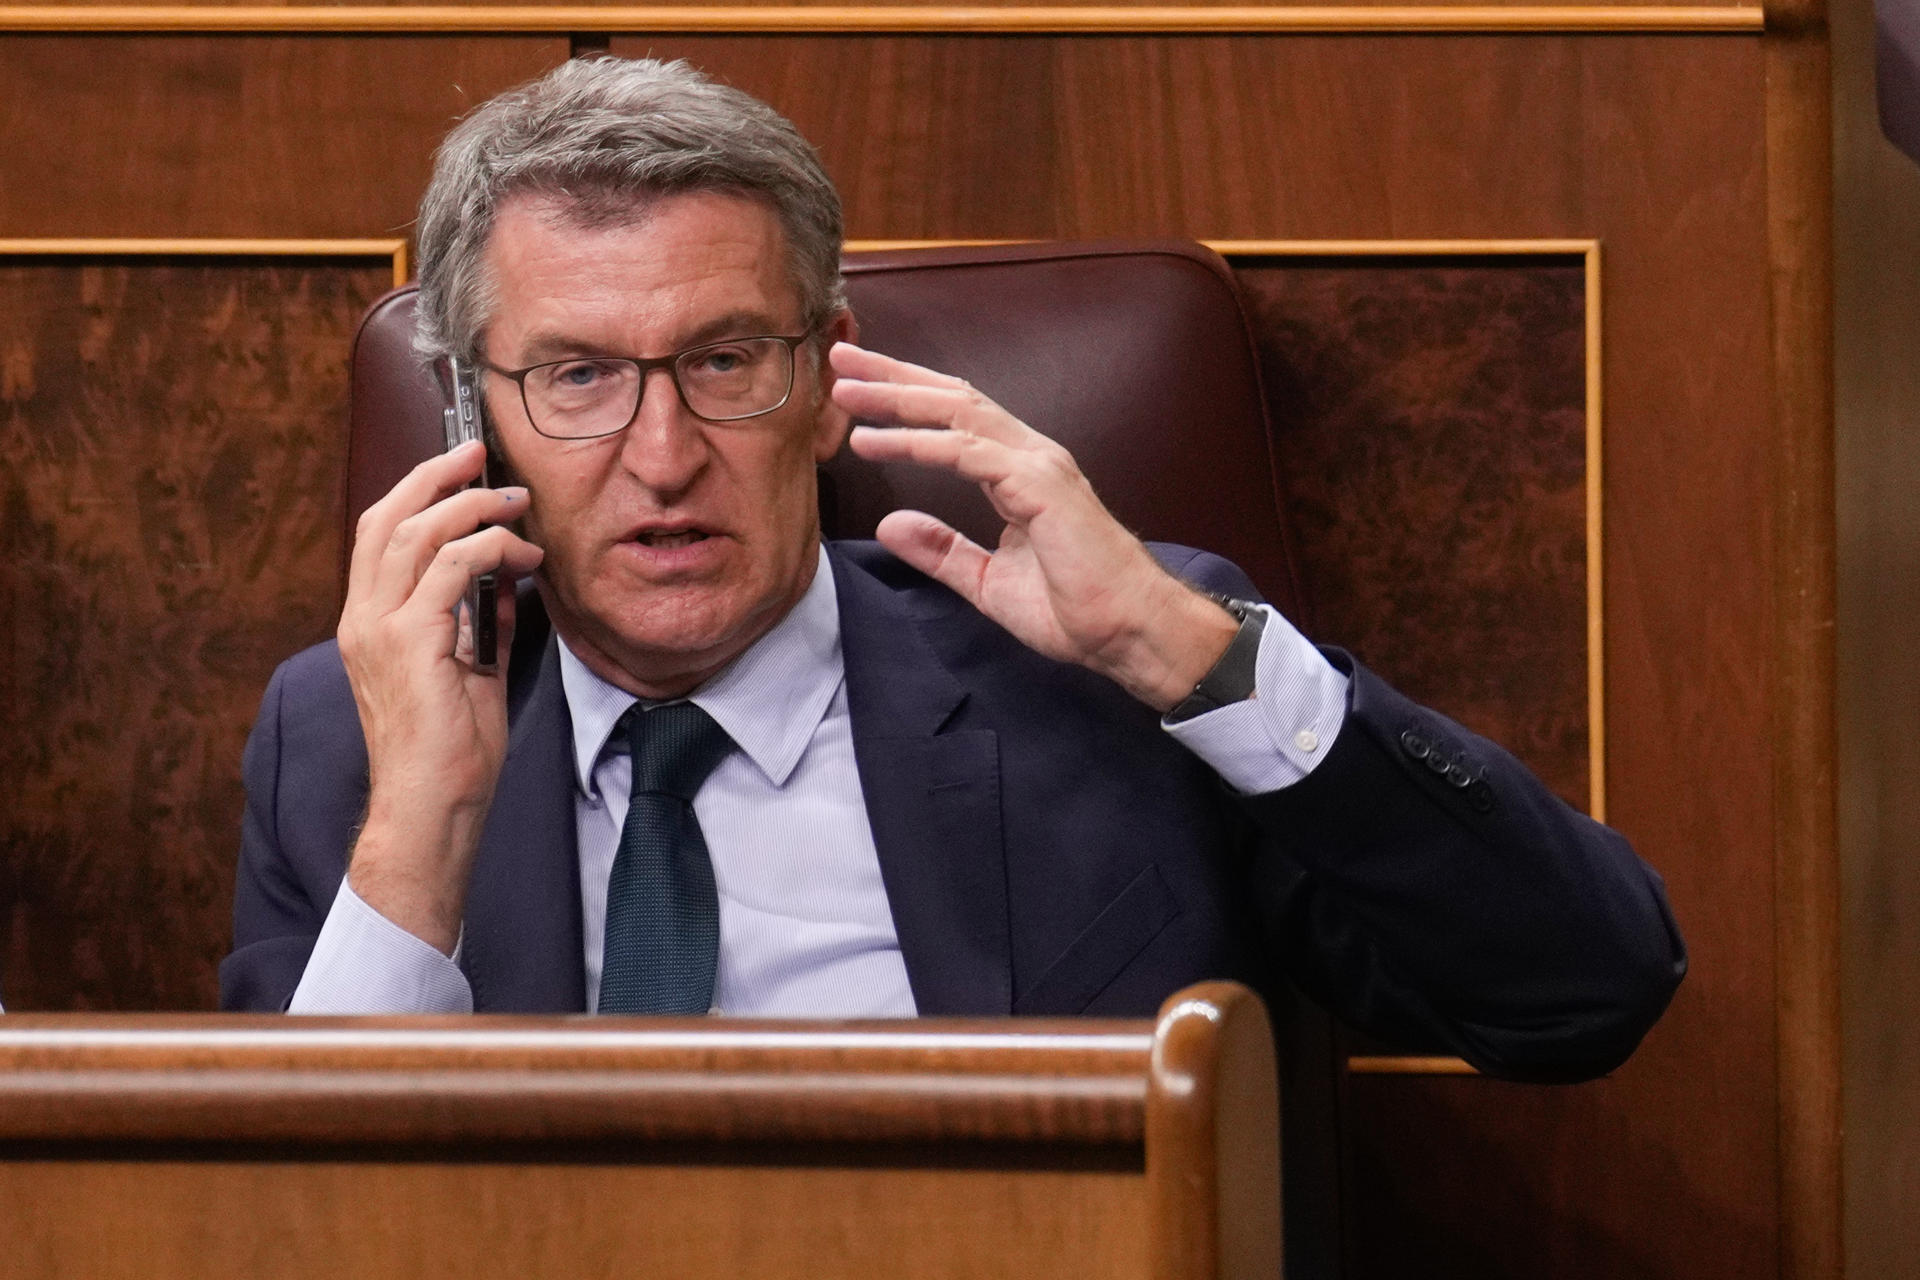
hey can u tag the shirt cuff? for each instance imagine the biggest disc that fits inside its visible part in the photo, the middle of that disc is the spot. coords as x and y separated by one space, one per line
363 962
1278 736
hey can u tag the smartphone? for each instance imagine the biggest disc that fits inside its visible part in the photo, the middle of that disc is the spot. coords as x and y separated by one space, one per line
461 419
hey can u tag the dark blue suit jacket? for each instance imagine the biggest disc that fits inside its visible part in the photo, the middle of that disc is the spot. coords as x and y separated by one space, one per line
1047 848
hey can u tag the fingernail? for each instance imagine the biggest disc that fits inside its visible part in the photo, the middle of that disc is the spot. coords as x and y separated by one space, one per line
512 493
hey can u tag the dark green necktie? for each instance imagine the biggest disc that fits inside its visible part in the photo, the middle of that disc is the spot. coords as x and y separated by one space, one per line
663 914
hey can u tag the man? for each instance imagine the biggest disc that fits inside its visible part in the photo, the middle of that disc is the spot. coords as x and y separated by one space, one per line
730 769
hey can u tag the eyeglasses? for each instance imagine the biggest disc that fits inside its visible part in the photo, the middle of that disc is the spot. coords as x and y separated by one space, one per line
592 396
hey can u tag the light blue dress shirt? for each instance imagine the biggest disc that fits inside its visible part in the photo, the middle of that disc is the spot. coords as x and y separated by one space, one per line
805 928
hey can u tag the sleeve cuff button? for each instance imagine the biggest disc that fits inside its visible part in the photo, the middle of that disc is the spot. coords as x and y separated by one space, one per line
1307 740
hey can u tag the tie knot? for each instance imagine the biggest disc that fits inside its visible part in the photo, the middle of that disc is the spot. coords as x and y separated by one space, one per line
674 748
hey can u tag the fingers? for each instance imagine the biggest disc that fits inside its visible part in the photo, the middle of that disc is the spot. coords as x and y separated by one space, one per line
443 583
939 421
850 361
982 461
937 550
940 408
419 489
878 388
429 622
399 536
1020 481
418 539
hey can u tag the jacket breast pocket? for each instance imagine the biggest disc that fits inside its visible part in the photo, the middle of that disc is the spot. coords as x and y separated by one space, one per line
1122 930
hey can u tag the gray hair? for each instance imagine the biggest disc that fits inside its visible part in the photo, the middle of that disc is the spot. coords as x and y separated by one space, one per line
604 136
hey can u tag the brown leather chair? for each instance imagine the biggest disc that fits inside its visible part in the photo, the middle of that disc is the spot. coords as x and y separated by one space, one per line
1137 357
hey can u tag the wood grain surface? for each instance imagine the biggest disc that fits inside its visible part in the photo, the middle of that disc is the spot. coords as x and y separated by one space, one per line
818 16
1430 420
1435 1159
169 433
1212 1105
1657 146
513 1146
314 1218
245 136
471 1082
1877 401
1799 133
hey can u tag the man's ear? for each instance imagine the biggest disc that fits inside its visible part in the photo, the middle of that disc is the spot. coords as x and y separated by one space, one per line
831 426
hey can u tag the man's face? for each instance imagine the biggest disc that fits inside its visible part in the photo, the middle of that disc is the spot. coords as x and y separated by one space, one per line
674 545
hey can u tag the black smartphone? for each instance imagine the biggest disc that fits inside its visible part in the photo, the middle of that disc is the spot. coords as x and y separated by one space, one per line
461 419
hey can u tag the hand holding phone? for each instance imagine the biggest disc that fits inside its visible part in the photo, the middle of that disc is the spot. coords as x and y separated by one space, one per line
413 630
461 421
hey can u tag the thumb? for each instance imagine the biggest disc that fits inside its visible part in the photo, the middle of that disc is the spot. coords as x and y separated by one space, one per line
938 550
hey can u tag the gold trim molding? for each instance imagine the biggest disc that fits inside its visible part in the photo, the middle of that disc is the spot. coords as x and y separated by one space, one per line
393 250
1395 1065
790 19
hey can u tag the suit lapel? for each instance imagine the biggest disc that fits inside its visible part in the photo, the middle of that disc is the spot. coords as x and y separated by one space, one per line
932 792
522 947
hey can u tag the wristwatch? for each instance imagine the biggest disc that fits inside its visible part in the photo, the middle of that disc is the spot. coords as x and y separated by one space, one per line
1231 679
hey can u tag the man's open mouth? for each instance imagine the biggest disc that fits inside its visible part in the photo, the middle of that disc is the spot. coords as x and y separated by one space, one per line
661 538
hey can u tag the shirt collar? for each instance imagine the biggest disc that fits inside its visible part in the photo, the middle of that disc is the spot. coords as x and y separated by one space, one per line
769 700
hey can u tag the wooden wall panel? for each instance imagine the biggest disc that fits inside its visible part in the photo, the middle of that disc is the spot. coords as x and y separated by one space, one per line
336 1220
1432 427
1877 390
1461 1178
247 136
1654 145
112 899
170 463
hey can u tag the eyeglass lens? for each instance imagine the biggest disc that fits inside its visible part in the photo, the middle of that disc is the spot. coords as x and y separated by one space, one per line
724 381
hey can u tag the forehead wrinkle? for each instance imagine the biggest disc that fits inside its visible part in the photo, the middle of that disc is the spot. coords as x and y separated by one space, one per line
574 308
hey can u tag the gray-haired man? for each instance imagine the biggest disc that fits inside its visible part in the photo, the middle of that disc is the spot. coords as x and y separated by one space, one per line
932 778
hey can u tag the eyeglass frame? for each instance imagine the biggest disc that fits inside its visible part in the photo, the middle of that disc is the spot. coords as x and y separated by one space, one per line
646 366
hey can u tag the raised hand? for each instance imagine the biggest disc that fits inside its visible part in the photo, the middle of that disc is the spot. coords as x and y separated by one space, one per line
1066 578
436 729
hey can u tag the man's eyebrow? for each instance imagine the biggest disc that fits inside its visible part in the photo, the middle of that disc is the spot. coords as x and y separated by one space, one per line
741 323
557 346
744 323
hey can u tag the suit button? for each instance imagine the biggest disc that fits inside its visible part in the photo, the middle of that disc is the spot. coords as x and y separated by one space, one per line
1439 763
1480 796
1458 777
1414 745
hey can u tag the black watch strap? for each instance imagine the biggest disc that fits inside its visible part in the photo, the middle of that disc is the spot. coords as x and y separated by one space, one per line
1232 678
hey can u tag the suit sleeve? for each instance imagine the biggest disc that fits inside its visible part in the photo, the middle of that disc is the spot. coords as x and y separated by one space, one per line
275 921
1427 888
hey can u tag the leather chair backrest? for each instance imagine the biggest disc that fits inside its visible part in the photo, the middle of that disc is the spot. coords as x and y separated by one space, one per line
1135 355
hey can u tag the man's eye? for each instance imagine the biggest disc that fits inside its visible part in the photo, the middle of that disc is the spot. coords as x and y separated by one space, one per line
721 360
578 375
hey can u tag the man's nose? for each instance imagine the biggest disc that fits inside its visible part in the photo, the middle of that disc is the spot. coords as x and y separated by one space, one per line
665 446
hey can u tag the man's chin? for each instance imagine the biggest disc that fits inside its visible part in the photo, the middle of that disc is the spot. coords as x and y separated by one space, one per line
680 639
